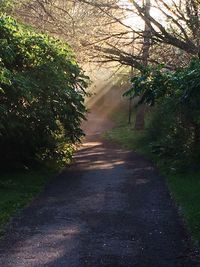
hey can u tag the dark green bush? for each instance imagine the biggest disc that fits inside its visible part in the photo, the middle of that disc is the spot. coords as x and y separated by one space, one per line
42 93
174 130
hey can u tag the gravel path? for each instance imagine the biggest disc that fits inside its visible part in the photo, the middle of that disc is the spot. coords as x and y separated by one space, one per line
110 208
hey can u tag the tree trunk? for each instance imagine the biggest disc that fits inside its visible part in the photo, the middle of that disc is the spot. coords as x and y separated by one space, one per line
140 112
140 117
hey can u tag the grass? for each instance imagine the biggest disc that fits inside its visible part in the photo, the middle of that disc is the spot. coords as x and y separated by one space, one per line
17 189
184 186
126 137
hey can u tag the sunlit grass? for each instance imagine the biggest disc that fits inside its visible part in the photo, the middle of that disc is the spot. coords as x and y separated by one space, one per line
17 189
184 186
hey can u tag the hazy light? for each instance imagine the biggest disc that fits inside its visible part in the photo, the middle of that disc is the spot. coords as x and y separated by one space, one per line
133 20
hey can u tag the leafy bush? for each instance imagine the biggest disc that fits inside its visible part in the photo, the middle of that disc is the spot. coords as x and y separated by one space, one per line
42 93
174 130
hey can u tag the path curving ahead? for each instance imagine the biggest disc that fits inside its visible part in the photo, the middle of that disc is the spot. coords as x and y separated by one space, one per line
110 208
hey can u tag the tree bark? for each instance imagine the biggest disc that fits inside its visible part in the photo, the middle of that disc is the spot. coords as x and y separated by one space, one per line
140 112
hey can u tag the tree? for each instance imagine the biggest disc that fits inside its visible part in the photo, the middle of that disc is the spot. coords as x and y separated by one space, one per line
72 21
105 34
100 28
140 112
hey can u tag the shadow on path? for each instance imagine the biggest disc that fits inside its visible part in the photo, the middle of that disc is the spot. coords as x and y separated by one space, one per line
110 208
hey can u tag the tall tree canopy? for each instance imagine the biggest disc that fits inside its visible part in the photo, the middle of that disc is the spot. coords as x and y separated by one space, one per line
112 30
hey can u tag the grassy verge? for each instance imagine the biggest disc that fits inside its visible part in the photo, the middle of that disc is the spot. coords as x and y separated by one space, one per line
17 189
184 186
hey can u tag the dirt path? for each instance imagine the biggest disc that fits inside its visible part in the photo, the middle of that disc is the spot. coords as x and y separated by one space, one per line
111 208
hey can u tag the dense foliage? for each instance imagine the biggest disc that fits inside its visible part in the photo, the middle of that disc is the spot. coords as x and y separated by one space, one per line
174 130
42 93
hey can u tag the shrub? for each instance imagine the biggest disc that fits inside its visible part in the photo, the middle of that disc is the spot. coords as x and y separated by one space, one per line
174 130
42 91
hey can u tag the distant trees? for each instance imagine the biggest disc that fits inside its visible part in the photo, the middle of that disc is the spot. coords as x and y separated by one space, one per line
42 91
